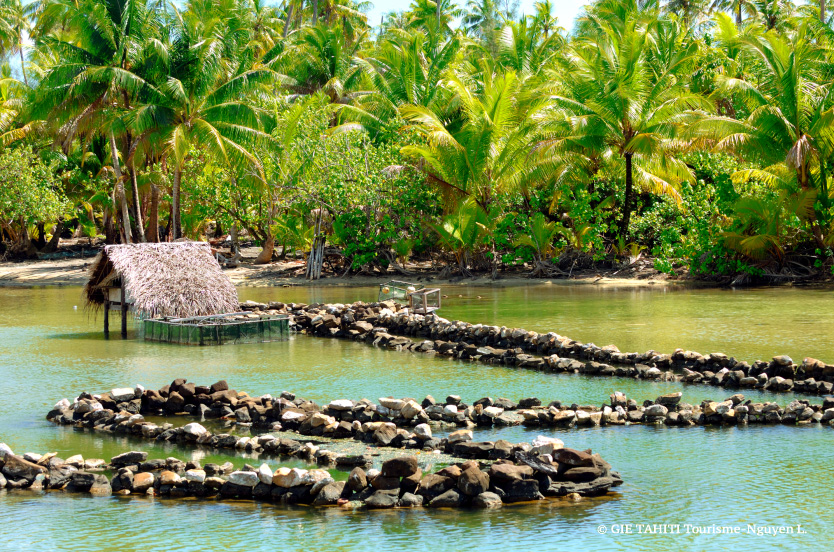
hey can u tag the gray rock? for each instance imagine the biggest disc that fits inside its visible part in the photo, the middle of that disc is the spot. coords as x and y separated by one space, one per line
473 482
122 394
402 466
669 400
487 500
329 494
128 458
450 499
656 410
409 500
16 467
83 482
244 478
522 491
382 499
357 480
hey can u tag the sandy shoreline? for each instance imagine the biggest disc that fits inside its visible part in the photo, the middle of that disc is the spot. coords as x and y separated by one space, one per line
73 272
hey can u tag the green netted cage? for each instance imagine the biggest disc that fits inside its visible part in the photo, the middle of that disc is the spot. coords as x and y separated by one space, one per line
233 328
397 291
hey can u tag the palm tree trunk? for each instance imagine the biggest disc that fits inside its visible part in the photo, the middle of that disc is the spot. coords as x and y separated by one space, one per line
153 215
299 14
738 14
176 227
22 68
120 190
289 19
316 11
629 184
109 231
140 229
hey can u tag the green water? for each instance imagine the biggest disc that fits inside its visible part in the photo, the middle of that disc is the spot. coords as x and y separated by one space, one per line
700 476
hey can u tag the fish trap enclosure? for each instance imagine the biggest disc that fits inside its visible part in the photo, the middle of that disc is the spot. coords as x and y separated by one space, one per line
397 290
221 329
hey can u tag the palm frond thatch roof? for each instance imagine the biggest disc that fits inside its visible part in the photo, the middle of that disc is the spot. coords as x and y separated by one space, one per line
163 279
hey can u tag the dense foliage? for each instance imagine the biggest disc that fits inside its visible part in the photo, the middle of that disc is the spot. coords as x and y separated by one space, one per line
698 134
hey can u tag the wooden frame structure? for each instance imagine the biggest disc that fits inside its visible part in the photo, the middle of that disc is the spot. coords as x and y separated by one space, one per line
120 305
424 301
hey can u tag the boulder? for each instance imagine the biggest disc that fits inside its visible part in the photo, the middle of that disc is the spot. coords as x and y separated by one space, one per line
382 499
122 394
385 434
329 494
410 410
422 431
265 474
402 466
501 474
311 477
391 404
656 410
434 485
244 478
449 499
473 482
487 500
194 429
83 482
340 405
669 400
409 500
142 482
522 491
168 477
546 445
198 476
458 436
288 477
16 467
128 458
573 457
357 480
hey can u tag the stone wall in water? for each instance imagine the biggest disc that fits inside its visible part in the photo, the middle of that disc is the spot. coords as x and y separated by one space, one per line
389 325
498 472
399 483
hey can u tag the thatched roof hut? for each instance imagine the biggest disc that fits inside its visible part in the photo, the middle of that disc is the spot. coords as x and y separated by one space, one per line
162 279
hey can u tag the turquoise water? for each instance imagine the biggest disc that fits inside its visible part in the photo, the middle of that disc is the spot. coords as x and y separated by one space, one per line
700 476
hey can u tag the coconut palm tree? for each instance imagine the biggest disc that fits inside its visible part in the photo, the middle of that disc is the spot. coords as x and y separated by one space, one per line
774 14
790 129
522 48
481 20
320 59
199 107
544 18
14 24
689 11
485 152
401 70
622 99
737 7
93 84
431 16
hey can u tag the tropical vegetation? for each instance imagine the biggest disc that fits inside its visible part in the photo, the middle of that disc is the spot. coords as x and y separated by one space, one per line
472 137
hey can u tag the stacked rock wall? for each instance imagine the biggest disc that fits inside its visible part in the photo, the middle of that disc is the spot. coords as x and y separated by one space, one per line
391 326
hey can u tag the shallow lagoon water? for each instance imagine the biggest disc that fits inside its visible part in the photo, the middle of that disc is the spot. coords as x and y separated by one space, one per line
700 476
